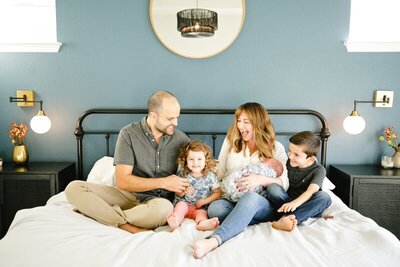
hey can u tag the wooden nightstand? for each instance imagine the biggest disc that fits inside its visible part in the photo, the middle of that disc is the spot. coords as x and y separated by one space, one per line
29 186
371 190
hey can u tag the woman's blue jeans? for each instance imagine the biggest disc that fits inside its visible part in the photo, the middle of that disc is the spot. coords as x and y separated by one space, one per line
314 207
235 217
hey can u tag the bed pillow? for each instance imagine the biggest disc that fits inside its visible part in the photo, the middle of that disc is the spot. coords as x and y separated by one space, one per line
103 172
327 184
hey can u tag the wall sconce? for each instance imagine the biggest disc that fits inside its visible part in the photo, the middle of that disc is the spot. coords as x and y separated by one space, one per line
354 123
40 123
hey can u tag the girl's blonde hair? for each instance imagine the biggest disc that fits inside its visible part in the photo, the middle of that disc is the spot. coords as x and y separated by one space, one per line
196 146
263 130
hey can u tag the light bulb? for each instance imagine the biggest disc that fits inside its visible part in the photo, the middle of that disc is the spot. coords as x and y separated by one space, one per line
40 123
354 123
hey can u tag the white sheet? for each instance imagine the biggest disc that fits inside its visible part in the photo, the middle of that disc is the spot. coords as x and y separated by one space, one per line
54 235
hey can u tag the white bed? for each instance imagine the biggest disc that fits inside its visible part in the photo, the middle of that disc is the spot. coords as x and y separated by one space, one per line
55 235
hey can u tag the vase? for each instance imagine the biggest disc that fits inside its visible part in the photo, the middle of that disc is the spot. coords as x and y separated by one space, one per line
20 154
396 159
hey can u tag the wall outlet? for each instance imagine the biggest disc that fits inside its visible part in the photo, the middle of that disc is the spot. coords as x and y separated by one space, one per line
383 96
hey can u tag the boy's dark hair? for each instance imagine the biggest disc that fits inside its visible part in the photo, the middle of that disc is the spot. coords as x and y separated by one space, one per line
308 140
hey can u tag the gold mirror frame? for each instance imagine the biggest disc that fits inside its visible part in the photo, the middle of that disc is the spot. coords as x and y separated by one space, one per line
231 14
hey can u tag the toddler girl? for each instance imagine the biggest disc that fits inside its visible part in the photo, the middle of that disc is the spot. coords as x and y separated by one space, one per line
197 164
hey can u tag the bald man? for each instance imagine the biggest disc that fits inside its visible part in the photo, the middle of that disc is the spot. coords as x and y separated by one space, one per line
145 166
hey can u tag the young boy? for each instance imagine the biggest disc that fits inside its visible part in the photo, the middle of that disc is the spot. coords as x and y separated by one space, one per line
304 198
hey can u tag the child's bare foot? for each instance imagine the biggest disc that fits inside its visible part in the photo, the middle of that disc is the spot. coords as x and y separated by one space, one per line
326 217
132 229
202 247
285 223
207 224
173 222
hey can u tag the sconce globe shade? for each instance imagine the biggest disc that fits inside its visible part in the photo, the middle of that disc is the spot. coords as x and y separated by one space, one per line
40 124
354 124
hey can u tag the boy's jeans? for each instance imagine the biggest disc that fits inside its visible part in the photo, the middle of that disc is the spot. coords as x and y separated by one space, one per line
314 207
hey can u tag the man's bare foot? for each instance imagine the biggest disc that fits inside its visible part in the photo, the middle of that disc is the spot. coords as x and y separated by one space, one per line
132 229
202 247
285 223
207 224
173 222
326 217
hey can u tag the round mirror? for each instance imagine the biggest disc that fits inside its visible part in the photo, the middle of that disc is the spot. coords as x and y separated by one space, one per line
197 28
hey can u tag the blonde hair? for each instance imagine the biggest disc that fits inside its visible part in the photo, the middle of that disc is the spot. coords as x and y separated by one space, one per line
196 146
264 133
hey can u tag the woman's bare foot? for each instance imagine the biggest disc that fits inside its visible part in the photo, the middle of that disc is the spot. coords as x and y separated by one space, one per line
202 247
132 229
207 224
173 222
326 217
285 223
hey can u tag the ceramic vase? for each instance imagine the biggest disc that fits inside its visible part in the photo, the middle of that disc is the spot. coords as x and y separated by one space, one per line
396 159
20 154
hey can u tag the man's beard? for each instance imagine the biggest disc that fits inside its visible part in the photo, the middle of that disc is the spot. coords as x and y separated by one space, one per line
165 130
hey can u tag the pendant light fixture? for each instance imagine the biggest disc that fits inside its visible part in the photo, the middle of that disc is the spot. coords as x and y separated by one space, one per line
197 22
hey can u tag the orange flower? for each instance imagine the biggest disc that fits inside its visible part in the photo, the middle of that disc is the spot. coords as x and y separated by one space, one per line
391 138
17 133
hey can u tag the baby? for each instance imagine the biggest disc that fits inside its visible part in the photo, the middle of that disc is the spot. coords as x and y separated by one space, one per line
269 167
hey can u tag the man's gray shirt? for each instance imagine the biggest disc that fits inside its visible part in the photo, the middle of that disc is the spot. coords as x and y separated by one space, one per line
137 147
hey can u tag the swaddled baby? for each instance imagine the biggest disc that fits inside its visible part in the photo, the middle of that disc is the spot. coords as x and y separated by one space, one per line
269 167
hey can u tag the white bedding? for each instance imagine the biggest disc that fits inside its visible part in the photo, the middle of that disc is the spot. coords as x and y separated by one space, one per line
54 235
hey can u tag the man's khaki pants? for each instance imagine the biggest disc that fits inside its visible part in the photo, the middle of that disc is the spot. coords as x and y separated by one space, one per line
114 207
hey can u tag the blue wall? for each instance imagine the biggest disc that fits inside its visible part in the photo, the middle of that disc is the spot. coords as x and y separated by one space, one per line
288 55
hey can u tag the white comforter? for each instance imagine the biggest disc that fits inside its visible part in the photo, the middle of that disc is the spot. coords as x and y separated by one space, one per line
54 235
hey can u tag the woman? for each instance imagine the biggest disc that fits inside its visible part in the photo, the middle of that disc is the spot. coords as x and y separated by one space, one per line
250 139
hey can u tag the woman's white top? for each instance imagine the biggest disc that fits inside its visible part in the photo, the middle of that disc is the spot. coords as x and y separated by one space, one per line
230 161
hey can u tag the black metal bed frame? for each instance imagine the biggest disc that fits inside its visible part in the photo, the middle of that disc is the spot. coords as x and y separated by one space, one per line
80 132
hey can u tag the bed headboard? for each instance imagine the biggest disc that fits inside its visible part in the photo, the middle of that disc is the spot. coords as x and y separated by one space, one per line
80 132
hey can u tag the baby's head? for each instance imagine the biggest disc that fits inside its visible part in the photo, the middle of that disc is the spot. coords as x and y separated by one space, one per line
274 164
193 148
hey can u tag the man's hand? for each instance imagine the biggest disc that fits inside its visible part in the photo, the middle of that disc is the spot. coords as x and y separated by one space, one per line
176 184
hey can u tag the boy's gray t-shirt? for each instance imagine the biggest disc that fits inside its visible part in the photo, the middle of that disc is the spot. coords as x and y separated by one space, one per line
137 147
301 178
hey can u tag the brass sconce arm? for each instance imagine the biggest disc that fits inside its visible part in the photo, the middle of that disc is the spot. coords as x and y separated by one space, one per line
24 99
385 100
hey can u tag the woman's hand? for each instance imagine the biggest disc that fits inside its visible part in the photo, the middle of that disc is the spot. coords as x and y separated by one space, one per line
248 182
